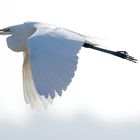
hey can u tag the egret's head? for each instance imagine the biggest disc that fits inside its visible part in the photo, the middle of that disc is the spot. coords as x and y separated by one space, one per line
5 31
27 28
19 35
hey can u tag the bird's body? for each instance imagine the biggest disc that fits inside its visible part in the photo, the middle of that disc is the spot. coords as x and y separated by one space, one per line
50 58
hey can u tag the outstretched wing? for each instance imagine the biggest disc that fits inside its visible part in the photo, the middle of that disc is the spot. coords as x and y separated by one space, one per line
52 61
30 93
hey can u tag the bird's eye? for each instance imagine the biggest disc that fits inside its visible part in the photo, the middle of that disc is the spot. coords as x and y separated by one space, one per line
7 30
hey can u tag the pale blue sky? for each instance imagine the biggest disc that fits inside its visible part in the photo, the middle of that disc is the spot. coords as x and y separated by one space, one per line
105 89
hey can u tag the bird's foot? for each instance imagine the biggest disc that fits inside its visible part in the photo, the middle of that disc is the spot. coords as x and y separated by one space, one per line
125 55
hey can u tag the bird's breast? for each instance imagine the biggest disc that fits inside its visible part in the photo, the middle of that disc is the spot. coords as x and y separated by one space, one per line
16 43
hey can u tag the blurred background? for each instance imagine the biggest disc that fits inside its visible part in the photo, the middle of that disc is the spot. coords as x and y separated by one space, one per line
102 101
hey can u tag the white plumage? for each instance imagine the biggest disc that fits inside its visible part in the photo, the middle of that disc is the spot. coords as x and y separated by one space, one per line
50 58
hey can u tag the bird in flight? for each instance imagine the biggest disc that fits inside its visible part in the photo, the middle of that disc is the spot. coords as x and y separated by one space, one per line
50 58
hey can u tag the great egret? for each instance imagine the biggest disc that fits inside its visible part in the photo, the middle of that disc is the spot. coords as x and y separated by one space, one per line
50 58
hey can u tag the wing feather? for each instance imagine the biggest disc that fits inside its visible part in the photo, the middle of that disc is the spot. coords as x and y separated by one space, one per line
50 64
30 94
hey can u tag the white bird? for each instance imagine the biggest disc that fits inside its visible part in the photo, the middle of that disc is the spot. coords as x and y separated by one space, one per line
50 58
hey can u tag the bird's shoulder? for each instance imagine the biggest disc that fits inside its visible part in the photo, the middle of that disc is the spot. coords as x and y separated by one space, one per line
46 30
